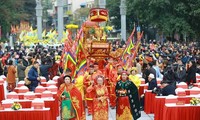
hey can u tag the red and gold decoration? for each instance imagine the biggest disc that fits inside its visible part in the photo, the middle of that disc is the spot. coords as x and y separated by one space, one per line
99 15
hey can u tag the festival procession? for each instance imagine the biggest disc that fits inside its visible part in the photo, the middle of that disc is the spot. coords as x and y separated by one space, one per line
99 60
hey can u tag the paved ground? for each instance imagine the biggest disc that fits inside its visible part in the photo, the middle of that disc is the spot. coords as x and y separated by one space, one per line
112 116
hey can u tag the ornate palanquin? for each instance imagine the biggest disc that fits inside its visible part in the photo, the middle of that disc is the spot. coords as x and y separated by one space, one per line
95 37
99 49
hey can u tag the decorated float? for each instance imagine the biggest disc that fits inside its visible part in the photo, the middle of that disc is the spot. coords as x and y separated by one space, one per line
95 36
91 45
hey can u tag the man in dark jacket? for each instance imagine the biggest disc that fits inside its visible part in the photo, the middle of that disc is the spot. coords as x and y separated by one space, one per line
20 70
167 89
181 71
145 72
33 76
151 69
44 69
152 82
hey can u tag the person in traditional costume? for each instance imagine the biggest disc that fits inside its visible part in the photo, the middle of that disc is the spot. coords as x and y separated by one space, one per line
100 102
96 68
113 77
79 84
88 80
71 101
108 69
61 78
119 71
134 78
96 71
128 105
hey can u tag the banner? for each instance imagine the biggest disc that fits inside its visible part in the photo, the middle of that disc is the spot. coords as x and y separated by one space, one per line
129 45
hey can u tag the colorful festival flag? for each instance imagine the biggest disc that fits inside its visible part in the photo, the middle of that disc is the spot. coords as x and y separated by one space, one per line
81 56
129 44
70 63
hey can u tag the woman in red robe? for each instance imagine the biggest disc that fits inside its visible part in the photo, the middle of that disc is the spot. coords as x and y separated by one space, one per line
71 101
128 105
100 102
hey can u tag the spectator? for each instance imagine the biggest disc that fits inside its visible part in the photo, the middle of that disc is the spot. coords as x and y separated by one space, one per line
44 69
152 82
181 72
1 68
167 88
191 72
145 72
54 70
157 69
138 66
33 76
151 69
11 76
20 70
5 58
151 86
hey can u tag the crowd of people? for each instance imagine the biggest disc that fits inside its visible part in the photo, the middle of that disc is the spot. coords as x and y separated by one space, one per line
114 85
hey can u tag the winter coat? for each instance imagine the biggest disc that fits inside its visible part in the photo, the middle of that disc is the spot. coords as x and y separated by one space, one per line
11 74
32 76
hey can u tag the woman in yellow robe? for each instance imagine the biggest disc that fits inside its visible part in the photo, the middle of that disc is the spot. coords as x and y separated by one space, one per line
134 78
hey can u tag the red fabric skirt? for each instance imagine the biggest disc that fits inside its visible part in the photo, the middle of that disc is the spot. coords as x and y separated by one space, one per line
123 109
112 96
100 110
